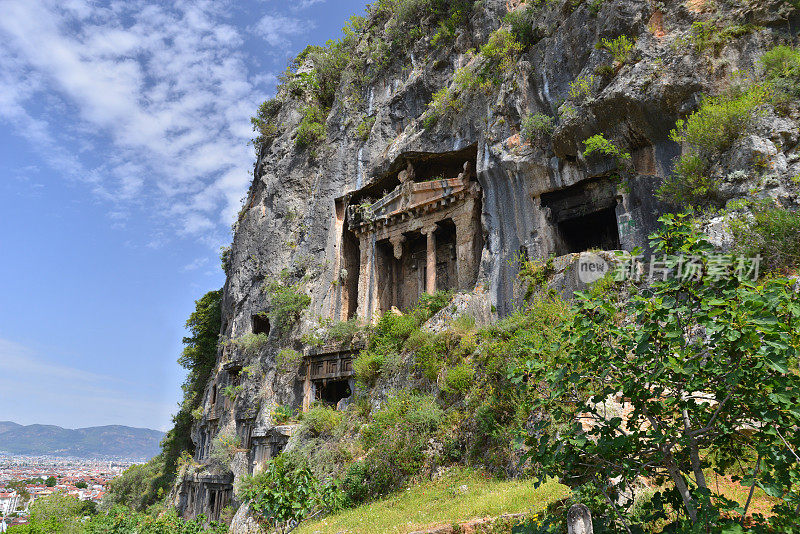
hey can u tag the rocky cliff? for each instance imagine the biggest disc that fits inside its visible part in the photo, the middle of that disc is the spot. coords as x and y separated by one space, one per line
453 146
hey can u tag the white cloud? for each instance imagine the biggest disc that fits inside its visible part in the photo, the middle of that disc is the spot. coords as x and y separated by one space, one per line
277 30
195 264
159 94
303 4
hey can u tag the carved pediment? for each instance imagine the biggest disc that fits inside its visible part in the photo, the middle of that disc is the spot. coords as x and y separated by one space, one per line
414 197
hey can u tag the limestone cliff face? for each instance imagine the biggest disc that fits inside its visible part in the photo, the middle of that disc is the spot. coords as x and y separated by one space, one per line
534 198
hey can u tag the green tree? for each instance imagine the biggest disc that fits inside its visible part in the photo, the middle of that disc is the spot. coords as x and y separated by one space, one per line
705 371
81 485
52 514
50 482
284 494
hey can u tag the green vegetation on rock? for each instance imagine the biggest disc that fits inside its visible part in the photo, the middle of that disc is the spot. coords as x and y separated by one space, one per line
705 135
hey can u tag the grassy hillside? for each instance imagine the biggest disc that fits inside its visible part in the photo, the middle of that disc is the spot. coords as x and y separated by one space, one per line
459 496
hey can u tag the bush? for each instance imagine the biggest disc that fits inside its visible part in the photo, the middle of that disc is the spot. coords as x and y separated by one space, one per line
773 233
620 48
288 360
287 302
224 447
368 365
345 331
598 144
523 24
396 439
388 336
319 420
537 126
443 101
458 379
708 132
264 122
285 493
708 35
781 62
782 72
720 120
580 90
282 414
426 350
500 53
364 128
250 344
691 184
457 16
231 392
311 128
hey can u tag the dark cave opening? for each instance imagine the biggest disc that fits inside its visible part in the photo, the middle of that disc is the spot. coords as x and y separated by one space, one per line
333 391
261 324
596 230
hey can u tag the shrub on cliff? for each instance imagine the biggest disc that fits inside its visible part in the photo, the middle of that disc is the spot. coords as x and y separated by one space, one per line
396 439
287 302
285 493
500 54
264 123
536 126
522 23
319 420
704 135
388 335
770 231
311 128
620 48
249 344
224 447
782 72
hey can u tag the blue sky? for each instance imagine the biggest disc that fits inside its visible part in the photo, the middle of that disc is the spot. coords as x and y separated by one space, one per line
123 159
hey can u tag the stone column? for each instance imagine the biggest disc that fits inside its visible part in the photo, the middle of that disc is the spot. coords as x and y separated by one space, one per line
397 250
430 267
366 285
466 230
307 389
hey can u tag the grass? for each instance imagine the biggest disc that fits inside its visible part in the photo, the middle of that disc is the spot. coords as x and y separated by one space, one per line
441 502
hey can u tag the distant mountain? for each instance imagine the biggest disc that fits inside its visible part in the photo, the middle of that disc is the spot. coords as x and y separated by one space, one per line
113 441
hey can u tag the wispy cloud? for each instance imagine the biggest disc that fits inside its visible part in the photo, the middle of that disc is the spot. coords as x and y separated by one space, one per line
18 360
166 85
277 30
303 4
196 264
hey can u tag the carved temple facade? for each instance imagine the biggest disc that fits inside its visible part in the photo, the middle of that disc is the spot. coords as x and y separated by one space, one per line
424 235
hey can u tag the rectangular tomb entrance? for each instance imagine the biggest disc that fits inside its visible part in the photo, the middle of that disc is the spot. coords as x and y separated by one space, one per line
583 217
327 374
424 235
